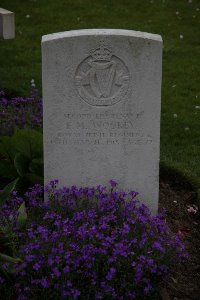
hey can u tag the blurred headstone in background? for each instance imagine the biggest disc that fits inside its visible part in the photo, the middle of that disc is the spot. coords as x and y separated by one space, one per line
7 24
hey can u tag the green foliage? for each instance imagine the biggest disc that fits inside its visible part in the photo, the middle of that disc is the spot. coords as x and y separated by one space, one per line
8 252
7 170
28 142
6 148
21 161
7 190
36 166
7 258
22 216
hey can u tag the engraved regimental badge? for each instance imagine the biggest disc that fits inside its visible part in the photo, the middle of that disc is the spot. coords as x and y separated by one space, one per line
102 79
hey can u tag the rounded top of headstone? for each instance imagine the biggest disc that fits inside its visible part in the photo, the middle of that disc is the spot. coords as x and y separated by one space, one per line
5 11
101 32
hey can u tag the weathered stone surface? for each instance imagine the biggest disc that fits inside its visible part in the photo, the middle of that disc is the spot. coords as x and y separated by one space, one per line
7 24
101 91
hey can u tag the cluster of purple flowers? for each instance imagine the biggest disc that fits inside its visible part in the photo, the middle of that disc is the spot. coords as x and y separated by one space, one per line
20 112
89 243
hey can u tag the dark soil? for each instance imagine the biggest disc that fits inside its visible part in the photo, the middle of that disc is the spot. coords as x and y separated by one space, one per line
184 284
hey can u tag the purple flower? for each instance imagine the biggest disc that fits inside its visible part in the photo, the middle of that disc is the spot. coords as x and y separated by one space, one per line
89 240
65 294
50 261
36 266
133 194
44 282
56 272
75 293
111 273
30 258
66 269
20 112
22 297
147 288
138 274
2 280
157 245
113 183
98 296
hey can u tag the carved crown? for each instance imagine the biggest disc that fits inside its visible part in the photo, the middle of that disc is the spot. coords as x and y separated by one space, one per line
101 53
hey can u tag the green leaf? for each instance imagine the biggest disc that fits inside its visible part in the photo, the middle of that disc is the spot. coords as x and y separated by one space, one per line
7 190
6 148
7 258
29 142
37 167
21 163
33 179
22 216
7 170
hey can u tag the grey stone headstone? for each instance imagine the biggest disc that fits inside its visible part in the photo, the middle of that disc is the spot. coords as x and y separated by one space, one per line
102 98
7 24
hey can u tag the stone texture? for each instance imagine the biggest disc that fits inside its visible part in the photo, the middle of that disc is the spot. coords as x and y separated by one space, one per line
7 24
102 94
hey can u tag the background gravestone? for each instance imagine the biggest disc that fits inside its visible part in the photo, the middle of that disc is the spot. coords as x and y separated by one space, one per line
101 91
7 24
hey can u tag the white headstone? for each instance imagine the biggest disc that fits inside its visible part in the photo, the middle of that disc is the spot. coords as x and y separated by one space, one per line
102 95
7 24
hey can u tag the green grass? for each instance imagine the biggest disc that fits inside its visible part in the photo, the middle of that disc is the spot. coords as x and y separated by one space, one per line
20 59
